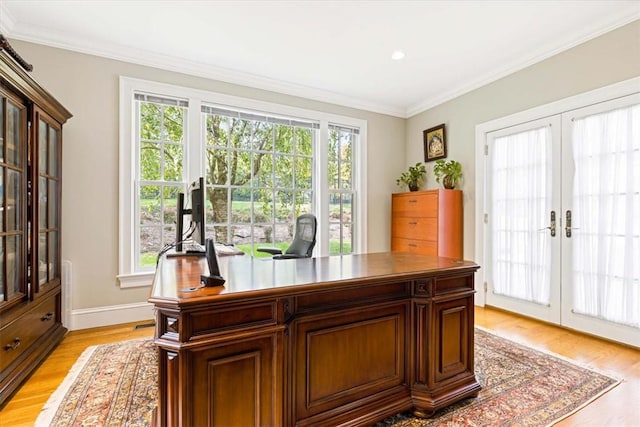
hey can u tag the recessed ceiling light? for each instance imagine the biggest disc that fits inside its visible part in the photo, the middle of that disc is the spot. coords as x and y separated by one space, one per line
397 55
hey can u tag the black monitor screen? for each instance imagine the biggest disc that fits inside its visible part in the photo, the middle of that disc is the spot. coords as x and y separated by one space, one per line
197 198
194 207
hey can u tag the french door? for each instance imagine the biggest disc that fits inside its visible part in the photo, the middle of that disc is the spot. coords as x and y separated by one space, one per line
563 219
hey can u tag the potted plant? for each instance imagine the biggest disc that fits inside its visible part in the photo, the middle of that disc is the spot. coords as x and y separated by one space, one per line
414 177
450 172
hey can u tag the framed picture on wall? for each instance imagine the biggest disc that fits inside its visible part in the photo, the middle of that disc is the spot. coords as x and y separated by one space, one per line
435 143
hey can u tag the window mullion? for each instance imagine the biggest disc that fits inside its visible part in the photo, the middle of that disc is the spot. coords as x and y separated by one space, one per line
321 189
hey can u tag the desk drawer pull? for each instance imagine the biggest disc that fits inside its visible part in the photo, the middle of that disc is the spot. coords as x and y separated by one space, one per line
412 201
413 223
15 344
412 245
47 317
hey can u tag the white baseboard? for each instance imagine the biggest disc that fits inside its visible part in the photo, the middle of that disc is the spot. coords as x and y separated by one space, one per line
110 315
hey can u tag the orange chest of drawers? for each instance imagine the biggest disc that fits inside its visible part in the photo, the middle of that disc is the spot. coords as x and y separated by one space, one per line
427 222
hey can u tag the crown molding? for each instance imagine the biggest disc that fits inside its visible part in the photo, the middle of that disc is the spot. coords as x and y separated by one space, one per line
533 59
170 63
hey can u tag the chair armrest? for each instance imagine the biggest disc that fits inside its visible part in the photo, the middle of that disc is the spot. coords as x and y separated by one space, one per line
272 251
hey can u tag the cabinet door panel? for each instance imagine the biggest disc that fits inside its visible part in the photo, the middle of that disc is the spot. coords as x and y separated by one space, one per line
452 322
235 384
346 357
13 217
47 260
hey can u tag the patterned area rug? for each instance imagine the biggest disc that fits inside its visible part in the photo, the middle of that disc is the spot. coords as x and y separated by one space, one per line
115 385
109 385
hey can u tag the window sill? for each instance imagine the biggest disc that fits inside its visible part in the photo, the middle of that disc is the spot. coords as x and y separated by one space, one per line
135 280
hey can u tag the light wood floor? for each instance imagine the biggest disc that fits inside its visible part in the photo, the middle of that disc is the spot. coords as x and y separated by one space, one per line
619 407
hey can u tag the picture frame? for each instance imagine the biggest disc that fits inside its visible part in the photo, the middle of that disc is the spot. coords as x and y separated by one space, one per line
435 143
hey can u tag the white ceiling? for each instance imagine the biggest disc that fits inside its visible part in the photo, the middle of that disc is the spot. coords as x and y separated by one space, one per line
333 51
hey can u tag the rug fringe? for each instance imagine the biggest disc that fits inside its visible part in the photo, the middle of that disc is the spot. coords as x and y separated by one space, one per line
588 402
50 408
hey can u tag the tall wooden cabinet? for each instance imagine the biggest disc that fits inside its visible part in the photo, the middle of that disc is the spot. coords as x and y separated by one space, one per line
30 260
427 222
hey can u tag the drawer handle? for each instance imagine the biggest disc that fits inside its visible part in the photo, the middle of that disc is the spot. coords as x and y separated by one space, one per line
15 344
47 317
413 223
412 245
412 200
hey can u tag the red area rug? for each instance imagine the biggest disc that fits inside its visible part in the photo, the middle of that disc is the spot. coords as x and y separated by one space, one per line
115 385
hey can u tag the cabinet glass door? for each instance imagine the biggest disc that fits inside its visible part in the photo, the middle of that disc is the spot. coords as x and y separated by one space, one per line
12 199
48 203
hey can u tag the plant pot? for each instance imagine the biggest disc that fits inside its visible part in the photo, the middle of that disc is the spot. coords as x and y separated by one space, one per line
448 182
413 187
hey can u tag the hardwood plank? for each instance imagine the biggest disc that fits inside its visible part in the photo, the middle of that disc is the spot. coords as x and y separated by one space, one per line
619 407
23 407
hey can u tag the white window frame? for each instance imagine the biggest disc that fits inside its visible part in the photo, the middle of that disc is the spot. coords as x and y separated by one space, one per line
194 165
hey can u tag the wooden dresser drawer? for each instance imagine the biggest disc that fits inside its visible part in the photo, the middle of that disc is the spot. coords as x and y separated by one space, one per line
415 228
18 336
424 247
419 204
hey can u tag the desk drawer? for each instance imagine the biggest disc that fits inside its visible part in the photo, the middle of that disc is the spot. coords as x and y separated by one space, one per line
425 247
415 228
18 336
421 204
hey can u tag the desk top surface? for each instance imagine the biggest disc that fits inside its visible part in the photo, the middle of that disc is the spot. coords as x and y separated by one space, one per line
177 279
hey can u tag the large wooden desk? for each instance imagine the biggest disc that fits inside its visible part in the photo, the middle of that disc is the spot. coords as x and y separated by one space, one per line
321 341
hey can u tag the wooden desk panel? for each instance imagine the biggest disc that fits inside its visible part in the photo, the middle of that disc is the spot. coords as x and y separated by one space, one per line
343 340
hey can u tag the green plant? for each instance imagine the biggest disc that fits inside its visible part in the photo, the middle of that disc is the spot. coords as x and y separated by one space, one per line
414 177
449 171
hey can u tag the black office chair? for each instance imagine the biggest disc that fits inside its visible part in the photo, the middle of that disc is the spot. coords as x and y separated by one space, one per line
303 241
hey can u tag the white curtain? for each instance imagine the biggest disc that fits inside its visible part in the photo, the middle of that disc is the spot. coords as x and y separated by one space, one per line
520 211
606 214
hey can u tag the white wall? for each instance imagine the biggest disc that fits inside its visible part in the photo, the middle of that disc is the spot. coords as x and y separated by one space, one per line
88 87
608 59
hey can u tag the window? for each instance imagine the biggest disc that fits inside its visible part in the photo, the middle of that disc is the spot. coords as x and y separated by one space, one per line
264 164
259 177
340 166
160 131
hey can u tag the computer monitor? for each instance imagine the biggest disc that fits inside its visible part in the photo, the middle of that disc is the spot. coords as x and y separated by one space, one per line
197 198
195 208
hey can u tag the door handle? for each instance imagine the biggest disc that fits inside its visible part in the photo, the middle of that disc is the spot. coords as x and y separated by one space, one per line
567 227
552 227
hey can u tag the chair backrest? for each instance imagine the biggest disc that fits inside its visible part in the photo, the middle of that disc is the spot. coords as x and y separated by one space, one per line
305 237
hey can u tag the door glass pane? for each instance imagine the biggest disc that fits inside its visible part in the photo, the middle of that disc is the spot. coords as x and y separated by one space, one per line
2 295
14 264
42 146
2 130
53 204
2 205
520 206
606 215
13 134
13 200
54 256
43 206
43 267
53 152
